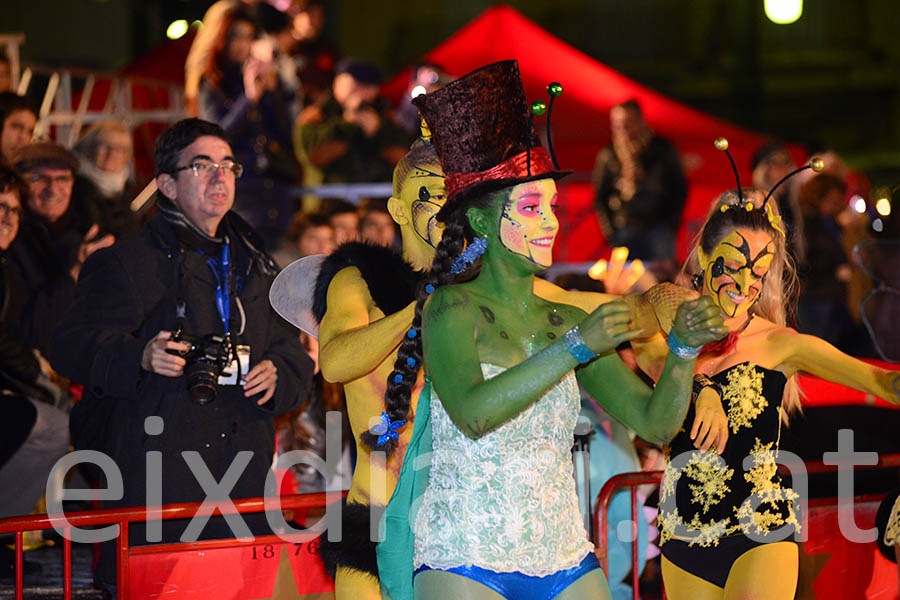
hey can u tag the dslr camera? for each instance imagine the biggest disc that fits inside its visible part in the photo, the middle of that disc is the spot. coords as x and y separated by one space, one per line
206 359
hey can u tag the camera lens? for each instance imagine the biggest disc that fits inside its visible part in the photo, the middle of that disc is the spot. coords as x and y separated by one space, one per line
202 377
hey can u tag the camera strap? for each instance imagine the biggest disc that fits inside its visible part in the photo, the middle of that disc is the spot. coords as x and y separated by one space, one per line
224 284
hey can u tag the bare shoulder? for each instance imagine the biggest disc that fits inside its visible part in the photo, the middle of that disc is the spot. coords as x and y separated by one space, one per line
775 334
450 301
586 301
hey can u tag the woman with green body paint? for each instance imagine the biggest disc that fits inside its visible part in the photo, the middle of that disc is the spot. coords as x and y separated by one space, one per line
500 517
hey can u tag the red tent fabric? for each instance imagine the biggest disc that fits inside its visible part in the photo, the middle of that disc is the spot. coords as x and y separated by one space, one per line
580 115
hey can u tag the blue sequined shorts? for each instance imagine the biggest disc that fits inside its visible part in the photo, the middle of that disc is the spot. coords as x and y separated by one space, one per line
518 586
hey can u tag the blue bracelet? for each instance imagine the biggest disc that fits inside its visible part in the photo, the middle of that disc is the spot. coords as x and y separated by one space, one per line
680 350
576 346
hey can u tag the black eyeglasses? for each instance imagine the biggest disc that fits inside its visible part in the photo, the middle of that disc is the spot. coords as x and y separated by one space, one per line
6 210
205 168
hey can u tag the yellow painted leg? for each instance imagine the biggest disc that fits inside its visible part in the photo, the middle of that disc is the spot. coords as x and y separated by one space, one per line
681 585
768 572
350 584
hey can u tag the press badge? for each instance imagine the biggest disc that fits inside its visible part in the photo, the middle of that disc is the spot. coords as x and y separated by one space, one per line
232 375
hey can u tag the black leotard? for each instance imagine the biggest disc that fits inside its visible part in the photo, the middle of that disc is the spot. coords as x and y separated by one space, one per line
706 513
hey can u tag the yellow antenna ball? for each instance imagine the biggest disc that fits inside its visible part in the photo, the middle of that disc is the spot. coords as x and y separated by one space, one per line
817 164
721 144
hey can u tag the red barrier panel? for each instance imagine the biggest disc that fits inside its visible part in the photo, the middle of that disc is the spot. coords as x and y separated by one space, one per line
160 556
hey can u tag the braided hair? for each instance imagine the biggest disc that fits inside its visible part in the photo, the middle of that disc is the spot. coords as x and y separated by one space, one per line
777 300
457 235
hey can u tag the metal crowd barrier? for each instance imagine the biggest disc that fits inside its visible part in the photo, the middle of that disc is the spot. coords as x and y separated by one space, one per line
123 516
633 480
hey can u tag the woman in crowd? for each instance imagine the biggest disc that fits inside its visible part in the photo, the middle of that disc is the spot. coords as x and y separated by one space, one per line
104 178
500 515
726 517
240 90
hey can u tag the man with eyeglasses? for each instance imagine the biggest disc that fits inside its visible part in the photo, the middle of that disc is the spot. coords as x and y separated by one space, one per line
58 232
196 269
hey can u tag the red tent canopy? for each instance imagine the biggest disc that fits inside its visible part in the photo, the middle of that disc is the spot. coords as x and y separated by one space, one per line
580 115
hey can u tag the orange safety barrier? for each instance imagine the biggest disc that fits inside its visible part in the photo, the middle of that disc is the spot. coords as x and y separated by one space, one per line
123 516
633 480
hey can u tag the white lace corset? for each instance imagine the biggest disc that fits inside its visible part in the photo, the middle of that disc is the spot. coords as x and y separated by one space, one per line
506 501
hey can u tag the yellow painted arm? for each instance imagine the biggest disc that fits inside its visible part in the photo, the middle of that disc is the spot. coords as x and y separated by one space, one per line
350 346
817 357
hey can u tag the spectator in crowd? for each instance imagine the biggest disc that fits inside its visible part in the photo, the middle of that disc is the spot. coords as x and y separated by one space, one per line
105 177
117 341
6 82
313 233
304 429
310 233
424 79
277 28
344 218
214 21
822 306
351 136
240 90
640 186
33 432
314 54
376 226
18 116
56 236
770 163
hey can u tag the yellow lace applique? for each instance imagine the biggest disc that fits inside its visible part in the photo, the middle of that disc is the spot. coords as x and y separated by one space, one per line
892 531
710 473
712 476
744 395
766 490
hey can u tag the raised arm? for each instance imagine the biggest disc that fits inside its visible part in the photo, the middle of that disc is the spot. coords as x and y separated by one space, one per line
817 357
350 346
655 414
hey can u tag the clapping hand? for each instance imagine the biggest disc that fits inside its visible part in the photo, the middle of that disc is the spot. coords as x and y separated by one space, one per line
698 322
608 326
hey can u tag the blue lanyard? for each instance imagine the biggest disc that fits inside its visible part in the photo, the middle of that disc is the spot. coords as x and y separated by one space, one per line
223 284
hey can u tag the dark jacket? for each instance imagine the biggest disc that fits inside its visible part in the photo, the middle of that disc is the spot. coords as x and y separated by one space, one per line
660 195
18 370
113 213
39 262
126 294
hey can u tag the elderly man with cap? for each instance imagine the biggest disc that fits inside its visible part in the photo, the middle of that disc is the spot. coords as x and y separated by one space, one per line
350 136
57 234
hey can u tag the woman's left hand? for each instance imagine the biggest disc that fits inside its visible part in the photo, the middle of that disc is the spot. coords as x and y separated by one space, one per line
710 429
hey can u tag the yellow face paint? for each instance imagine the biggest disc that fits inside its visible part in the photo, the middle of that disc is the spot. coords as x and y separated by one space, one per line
528 223
735 270
422 196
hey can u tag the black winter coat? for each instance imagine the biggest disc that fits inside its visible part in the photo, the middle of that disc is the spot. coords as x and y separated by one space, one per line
125 295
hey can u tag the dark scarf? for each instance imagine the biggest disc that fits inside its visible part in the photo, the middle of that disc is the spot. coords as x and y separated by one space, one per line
232 227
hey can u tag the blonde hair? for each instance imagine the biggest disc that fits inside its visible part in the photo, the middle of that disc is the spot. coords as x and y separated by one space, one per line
777 300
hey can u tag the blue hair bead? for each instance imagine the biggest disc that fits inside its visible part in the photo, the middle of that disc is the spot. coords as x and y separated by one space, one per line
398 378
411 361
411 334
429 289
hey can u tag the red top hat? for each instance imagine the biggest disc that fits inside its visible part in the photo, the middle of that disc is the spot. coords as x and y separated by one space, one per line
482 129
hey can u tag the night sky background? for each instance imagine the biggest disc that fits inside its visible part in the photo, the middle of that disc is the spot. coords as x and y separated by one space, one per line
831 80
